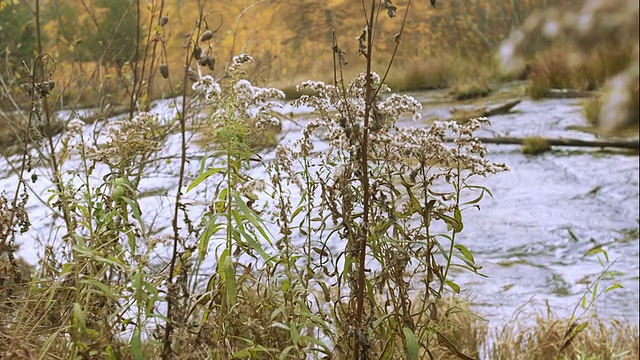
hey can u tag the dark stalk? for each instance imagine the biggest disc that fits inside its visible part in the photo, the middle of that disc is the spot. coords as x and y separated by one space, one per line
167 352
364 163
40 69
133 97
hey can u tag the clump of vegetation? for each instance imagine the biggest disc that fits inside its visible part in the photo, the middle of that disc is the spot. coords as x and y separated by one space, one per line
429 74
552 69
534 145
591 32
470 90
292 92
591 109
543 336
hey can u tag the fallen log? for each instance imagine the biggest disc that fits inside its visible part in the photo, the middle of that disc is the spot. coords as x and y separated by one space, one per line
502 109
463 115
622 144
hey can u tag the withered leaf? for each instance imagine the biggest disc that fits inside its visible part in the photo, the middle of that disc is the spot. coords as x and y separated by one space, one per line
391 9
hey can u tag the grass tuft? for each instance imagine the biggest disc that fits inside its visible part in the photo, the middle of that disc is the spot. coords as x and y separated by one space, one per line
535 145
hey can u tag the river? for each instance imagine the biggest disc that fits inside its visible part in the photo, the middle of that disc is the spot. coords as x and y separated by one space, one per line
531 238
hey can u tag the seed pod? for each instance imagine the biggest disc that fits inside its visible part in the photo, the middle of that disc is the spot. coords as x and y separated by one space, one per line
164 20
118 192
34 177
164 70
197 52
121 181
203 61
211 63
207 35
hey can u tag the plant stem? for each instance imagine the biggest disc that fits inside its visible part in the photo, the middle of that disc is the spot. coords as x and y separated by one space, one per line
364 236
167 352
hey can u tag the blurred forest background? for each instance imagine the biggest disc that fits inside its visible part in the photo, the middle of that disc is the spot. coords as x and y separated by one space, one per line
94 42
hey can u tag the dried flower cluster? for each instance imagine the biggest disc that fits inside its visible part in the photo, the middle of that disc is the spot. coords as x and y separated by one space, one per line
344 128
416 176
127 141
387 142
243 101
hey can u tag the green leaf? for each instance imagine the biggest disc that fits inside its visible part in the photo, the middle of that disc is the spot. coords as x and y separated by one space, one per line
320 251
482 188
135 208
202 177
595 250
286 285
442 249
457 214
453 286
136 345
314 341
613 287
249 351
211 228
104 289
413 348
111 260
250 215
598 250
474 269
476 200
452 222
572 235
325 291
79 320
297 211
389 348
251 241
285 353
379 321
241 353
295 334
228 276
466 253
279 325
203 162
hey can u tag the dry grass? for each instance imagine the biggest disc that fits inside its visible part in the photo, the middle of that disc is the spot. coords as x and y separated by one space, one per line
466 78
552 69
591 109
535 145
542 335
27 332
432 73
470 90
533 334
